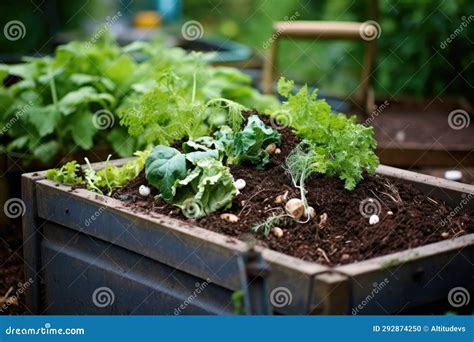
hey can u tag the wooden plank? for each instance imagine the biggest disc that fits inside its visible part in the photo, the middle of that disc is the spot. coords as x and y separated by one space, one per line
320 29
31 244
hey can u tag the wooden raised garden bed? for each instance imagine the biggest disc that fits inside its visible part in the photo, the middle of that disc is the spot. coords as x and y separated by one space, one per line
77 241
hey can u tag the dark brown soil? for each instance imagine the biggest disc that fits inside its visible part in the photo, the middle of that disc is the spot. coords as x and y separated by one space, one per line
11 271
398 125
346 236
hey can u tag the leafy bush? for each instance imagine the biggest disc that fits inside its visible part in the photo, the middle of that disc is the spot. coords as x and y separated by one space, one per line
57 103
338 146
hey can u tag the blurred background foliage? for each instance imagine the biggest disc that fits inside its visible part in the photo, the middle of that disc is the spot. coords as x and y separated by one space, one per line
410 58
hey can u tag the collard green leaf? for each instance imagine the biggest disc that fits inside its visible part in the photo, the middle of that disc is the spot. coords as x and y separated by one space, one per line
163 167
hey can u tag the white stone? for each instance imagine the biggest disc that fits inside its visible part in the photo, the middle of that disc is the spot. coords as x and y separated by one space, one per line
454 175
240 184
143 190
277 231
374 219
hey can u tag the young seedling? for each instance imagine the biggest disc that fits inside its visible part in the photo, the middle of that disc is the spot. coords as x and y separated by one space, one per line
298 166
271 222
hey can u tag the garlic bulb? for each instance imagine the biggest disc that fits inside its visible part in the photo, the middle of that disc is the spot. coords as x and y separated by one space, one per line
295 207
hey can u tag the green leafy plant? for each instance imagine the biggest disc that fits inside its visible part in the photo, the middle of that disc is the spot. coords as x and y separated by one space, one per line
163 168
196 180
298 165
67 174
271 222
207 188
104 180
246 145
339 146
158 94
249 144
50 107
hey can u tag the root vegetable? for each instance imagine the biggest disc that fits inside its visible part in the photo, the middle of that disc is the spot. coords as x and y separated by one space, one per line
277 151
230 217
310 212
271 148
295 208
323 219
277 231
143 190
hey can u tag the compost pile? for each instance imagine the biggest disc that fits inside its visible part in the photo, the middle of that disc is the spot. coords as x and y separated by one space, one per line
298 179
341 233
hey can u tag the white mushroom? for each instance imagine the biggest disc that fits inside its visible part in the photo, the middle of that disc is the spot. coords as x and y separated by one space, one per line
143 190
